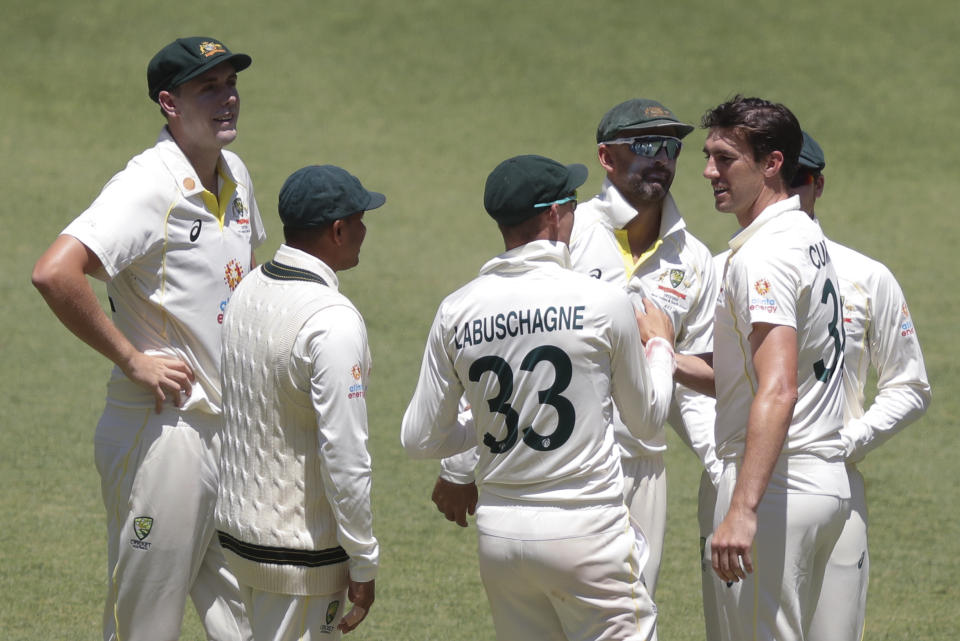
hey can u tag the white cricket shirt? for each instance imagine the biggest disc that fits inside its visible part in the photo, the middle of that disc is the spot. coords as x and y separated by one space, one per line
677 274
879 331
172 253
779 272
542 354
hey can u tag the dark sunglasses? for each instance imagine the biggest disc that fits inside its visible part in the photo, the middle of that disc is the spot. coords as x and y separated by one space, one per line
650 146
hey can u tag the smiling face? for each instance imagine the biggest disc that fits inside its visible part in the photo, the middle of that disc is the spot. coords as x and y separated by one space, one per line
640 180
203 111
737 179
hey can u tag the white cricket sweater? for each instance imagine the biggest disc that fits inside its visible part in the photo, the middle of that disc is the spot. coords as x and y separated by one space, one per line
294 505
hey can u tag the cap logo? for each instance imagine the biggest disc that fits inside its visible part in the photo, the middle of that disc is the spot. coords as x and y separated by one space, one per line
208 49
656 112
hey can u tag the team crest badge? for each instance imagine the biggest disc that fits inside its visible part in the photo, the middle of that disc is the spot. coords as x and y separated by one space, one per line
332 611
762 286
238 206
142 526
208 49
676 277
656 112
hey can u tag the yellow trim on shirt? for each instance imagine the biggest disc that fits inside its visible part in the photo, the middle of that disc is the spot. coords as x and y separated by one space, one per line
630 266
163 269
218 206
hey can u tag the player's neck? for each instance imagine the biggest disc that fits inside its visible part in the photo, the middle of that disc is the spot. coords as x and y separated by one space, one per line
644 229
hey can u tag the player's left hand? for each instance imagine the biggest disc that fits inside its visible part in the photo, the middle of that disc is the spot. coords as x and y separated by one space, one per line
455 500
731 543
361 595
652 321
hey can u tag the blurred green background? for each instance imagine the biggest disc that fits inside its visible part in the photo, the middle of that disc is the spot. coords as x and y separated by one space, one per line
421 99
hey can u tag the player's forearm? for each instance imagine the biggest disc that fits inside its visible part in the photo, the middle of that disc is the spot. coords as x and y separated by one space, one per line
893 409
696 372
770 416
430 428
460 467
73 301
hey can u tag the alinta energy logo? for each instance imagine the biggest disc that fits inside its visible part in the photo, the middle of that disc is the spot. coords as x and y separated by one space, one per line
356 390
141 528
232 274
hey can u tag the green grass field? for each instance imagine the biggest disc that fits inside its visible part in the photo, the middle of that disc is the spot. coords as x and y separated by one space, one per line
421 99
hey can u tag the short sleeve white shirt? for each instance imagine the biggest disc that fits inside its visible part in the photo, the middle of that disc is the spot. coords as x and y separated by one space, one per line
172 254
677 274
779 272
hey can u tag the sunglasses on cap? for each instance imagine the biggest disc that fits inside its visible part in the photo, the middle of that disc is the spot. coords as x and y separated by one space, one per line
566 199
804 178
650 146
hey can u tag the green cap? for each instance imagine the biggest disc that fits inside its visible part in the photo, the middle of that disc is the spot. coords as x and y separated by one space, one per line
638 113
185 59
811 156
320 194
524 186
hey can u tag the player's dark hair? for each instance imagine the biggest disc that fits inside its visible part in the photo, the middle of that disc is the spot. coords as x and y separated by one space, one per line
767 127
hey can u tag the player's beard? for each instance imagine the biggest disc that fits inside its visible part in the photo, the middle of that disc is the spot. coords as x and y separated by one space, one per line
650 186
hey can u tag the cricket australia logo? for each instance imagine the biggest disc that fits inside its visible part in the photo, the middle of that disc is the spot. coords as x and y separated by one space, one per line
141 527
676 277
332 611
208 49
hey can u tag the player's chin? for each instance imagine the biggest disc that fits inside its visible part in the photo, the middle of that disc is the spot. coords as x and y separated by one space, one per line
227 135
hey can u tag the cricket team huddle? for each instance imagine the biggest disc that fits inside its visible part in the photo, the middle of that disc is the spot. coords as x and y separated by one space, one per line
232 449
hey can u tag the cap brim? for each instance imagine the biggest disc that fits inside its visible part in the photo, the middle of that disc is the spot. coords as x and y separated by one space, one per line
578 176
683 128
240 61
376 200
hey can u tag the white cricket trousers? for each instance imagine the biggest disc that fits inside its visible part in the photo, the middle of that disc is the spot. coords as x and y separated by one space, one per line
645 494
842 608
796 534
159 476
582 588
710 583
290 617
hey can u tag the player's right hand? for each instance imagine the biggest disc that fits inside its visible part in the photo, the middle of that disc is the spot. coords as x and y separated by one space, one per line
163 375
361 595
455 500
731 543
653 322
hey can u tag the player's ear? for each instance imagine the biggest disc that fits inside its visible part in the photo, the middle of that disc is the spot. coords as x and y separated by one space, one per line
770 165
336 231
605 157
818 184
168 103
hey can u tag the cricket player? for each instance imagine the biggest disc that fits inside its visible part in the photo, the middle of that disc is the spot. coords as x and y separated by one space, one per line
172 234
879 333
784 494
633 236
302 544
542 354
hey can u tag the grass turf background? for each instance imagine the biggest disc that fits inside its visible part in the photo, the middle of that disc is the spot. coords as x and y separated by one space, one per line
421 100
